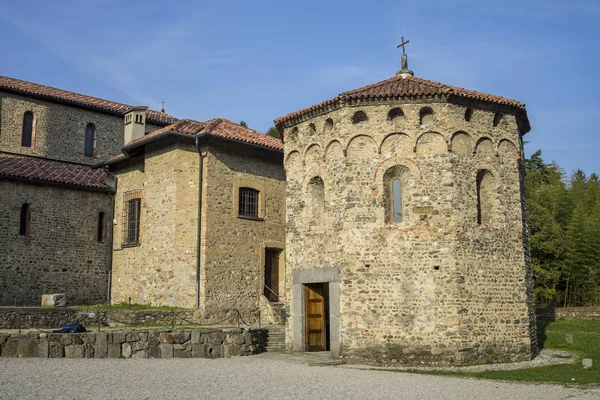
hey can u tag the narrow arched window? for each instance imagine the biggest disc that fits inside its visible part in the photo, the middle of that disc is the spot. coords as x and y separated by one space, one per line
395 181
468 114
497 119
27 134
90 140
316 200
25 220
426 116
485 197
101 231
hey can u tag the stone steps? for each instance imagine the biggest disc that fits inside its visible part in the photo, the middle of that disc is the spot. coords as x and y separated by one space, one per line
276 338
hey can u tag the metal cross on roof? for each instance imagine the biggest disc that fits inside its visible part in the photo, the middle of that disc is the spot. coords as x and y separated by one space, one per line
402 44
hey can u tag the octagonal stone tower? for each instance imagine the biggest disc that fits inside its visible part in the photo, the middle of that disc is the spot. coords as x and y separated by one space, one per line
406 237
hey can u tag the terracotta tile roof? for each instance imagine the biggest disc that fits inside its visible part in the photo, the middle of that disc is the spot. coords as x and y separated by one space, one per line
41 169
64 96
398 87
218 127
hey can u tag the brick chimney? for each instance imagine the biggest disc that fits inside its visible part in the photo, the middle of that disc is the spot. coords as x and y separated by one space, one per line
135 123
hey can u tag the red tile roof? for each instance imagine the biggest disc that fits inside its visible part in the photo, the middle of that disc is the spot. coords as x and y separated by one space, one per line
218 127
398 87
41 169
64 96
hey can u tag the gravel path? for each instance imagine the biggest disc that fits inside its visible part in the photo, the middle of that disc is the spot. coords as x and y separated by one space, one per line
267 376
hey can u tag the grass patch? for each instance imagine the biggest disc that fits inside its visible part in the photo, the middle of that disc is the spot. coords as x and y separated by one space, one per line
552 335
123 306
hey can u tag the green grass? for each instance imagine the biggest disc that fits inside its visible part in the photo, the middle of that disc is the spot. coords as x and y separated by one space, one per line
551 335
123 306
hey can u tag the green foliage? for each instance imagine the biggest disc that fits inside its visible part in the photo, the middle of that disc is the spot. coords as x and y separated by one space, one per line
273 132
564 226
243 123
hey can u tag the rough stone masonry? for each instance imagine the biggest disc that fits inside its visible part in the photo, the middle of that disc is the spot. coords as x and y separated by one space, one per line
437 273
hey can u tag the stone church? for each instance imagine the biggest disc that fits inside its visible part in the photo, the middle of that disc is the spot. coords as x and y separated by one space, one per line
406 236
390 227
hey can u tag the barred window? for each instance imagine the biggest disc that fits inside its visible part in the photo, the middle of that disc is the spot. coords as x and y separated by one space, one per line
132 205
248 205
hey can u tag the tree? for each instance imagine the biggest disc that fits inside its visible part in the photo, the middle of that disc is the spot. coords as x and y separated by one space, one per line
274 132
243 123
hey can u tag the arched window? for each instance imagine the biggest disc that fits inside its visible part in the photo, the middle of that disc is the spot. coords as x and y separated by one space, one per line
395 181
426 116
359 116
328 124
90 140
468 114
497 119
316 206
485 197
395 113
25 220
27 134
248 202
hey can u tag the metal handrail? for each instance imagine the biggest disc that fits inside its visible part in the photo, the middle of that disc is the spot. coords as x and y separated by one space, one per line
276 295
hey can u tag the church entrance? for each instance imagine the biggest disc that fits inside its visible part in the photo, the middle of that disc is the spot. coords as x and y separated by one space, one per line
317 316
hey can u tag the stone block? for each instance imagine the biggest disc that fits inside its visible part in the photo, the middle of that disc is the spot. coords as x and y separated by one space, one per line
140 345
89 350
196 336
114 350
27 348
166 337
42 349
76 339
183 353
126 350
238 339
140 354
101 347
198 351
153 339
119 337
247 337
10 348
214 351
74 351
587 363
66 339
56 350
235 350
54 300
166 350
154 352
88 338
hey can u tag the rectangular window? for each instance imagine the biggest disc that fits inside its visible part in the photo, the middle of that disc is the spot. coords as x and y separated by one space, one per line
132 207
101 227
248 204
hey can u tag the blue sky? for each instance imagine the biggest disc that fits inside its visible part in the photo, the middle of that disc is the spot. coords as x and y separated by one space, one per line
257 60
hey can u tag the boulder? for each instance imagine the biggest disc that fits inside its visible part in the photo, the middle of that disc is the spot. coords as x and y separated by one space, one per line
54 300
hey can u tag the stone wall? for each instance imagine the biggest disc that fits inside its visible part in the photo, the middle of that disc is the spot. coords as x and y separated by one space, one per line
45 318
213 343
234 248
436 287
162 269
59 130
585 313
61 254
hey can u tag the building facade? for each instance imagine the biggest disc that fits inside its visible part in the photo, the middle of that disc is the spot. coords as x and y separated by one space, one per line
200 219
406 238
55 211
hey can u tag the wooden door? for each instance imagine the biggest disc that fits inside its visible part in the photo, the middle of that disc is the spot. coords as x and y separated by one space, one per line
315 317
271 290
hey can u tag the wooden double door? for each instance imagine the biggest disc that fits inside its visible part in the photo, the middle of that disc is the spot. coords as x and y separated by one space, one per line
316 297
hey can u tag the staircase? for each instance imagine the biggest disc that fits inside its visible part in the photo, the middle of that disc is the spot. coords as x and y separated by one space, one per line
276 338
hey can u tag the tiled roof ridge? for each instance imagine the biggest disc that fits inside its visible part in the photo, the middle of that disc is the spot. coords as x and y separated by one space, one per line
431 88
50 92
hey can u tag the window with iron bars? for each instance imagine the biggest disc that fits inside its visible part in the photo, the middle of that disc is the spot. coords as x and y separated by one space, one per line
248 204
132 206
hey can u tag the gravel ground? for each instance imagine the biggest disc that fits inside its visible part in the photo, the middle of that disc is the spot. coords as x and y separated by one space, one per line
272 376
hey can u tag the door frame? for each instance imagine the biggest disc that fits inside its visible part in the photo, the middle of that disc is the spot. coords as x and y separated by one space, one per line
329 276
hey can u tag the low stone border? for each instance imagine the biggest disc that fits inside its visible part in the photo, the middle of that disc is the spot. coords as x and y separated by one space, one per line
194 343
546 357
52 318
586 313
